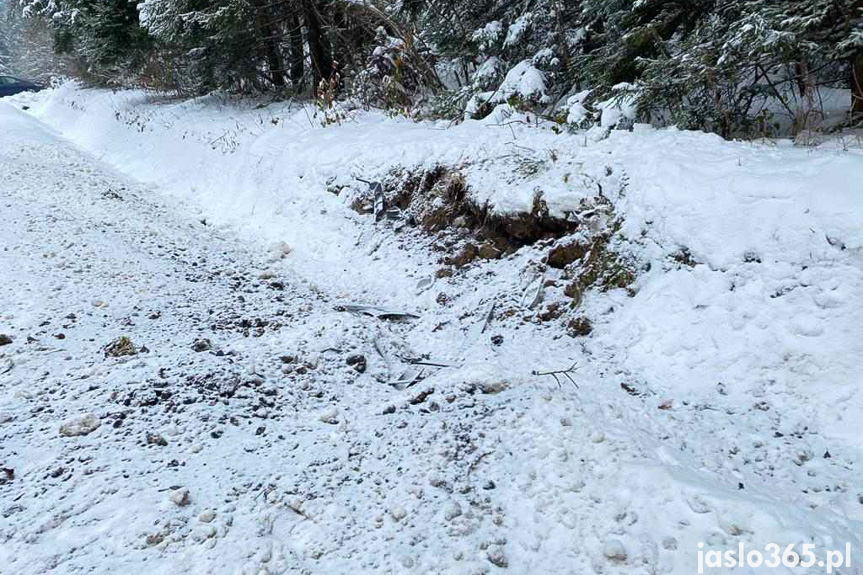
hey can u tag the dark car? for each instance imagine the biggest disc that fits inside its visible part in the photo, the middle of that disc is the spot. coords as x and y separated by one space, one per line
10 86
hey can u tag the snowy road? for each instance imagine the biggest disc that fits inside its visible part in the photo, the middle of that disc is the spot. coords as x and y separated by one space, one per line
85 261
285 447
254 392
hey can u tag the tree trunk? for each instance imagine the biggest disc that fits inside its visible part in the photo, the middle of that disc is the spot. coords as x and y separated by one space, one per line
274 58
857 63
802 69
857 84
342 35
566 63
298 53
319 46
271 45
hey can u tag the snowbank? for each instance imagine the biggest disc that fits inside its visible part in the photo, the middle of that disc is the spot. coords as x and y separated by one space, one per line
762 219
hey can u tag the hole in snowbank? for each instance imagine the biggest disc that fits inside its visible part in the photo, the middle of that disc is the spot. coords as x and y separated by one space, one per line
578 253
438 200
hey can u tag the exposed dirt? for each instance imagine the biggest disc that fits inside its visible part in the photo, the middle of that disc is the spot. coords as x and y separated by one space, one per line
438 201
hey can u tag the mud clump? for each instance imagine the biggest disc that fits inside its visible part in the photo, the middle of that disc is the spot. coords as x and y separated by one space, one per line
489 251
566 252
684 257
120 347
579 327
573 291
606 269
467 254
552 311
593 262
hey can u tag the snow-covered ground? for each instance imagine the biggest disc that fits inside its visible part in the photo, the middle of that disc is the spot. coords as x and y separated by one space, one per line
719 397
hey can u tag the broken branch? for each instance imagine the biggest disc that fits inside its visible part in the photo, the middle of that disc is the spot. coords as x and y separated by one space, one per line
559 373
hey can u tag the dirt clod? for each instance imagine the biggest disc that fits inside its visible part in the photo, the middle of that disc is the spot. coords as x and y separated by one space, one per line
551 312
489 251
579 327
156 439
358 362
202 345
567 252
467 254
120 347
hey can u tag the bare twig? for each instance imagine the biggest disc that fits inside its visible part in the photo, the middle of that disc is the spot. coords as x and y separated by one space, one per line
378 349
419 361
488 316
265 491
560 373
477 461
374 311
401 384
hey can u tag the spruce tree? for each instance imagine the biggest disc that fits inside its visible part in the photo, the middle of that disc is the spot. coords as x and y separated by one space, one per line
103 36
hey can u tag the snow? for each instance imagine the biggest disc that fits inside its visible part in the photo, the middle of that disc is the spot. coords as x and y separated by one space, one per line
488 72
721 403
619 107
488 35
516 31
525 81
577 113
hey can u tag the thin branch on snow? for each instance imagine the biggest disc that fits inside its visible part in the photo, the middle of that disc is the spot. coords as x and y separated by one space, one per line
428 363
560 373
488 316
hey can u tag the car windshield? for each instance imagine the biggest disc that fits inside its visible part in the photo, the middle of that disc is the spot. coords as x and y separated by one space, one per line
7 80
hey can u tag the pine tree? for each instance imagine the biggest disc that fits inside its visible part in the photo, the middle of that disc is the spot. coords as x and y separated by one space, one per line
103 36
210 45
731 66
26 46
245 44
721 64
855 48
5 44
